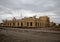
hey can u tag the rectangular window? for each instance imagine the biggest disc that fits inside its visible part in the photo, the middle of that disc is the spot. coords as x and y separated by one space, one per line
30 23
18 23
13 24
27 23
36 24
21 24
10 24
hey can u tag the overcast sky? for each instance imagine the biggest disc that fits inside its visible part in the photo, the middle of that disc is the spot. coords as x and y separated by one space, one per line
14 8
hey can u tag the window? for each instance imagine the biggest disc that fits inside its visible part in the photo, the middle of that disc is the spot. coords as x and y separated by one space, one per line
13 24
18 23
38 24
21 24
30 23
27 23
35 23
10 24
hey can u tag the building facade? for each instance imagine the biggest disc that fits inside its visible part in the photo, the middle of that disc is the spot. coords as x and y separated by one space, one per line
27 22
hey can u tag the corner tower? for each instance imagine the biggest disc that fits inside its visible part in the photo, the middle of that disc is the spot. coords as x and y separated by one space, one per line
44 21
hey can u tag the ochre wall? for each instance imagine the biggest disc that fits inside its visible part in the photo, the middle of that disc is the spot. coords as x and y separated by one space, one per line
42 21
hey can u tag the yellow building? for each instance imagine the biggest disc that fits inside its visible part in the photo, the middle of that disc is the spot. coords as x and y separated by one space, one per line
27 22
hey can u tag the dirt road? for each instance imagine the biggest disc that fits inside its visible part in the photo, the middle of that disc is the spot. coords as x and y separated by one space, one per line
28 36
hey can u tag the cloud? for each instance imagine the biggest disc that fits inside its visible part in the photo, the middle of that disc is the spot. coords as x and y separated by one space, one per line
14 8
27 13
34 5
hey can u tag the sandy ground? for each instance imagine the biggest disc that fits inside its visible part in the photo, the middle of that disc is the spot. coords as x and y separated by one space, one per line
28 36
